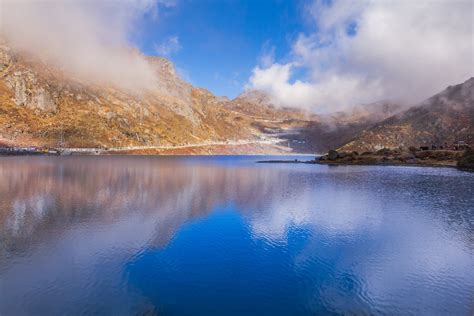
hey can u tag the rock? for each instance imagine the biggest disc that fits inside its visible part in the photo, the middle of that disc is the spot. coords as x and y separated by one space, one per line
27 93
333 155
466 162
439 155
43 101
423 154
384 152
19 87
406 157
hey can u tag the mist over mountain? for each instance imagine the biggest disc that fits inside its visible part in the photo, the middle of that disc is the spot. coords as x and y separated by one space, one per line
88 40
445 118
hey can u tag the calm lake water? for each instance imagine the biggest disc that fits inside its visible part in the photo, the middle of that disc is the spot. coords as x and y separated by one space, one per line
227 236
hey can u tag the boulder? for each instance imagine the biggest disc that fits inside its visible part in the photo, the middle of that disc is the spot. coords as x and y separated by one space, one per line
342 155
466 162
333 155
405 157
422 154
412 149
384 152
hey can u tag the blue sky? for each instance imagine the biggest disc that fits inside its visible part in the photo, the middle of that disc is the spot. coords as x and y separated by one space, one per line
220 42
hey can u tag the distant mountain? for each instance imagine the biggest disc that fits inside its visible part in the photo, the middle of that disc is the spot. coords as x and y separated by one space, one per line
447 117
259 104
308 132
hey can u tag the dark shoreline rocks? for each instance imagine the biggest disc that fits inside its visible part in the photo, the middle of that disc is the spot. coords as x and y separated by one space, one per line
402 157
466 162
463 160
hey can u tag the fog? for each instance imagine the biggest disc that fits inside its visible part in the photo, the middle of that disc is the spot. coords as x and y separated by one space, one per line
87 39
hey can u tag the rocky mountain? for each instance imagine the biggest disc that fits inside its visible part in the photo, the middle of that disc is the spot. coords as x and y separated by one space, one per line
447 117
42 105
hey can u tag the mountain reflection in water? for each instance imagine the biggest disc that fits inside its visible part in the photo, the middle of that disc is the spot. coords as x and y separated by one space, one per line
223 235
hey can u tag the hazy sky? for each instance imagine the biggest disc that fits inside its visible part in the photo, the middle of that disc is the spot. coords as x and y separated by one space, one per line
323 55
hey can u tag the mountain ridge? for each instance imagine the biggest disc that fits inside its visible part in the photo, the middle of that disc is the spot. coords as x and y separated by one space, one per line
42 105
443 119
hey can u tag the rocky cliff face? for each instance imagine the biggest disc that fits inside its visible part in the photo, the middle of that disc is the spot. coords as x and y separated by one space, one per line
447 117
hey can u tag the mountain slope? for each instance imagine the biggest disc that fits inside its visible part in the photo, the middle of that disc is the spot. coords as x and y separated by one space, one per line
42 105
447 117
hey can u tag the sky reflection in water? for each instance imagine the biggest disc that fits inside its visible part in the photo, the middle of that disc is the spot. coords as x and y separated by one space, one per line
223 235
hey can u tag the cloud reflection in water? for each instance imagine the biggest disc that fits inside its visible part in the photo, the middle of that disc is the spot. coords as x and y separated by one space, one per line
224 235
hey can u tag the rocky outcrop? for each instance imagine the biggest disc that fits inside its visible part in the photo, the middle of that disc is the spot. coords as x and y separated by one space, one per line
170 87
28 93
332 155
27 90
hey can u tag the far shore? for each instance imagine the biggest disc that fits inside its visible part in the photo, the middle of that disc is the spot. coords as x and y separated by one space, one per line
412 157
460 159
451 164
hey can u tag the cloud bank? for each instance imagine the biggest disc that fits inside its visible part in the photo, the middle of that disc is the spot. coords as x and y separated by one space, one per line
88 39
365 51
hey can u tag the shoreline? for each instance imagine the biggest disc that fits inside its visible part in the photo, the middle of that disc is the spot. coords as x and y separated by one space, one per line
446 164
332 163
460 160
390 164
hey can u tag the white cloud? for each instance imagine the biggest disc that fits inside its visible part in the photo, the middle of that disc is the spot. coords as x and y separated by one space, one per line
86 38
169 46
402 50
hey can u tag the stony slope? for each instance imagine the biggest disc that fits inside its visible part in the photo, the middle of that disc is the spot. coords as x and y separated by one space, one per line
446 117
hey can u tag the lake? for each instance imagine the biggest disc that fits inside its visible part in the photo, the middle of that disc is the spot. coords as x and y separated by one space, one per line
226 236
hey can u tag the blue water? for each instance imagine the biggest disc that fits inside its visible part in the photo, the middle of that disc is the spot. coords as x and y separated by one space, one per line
227 236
